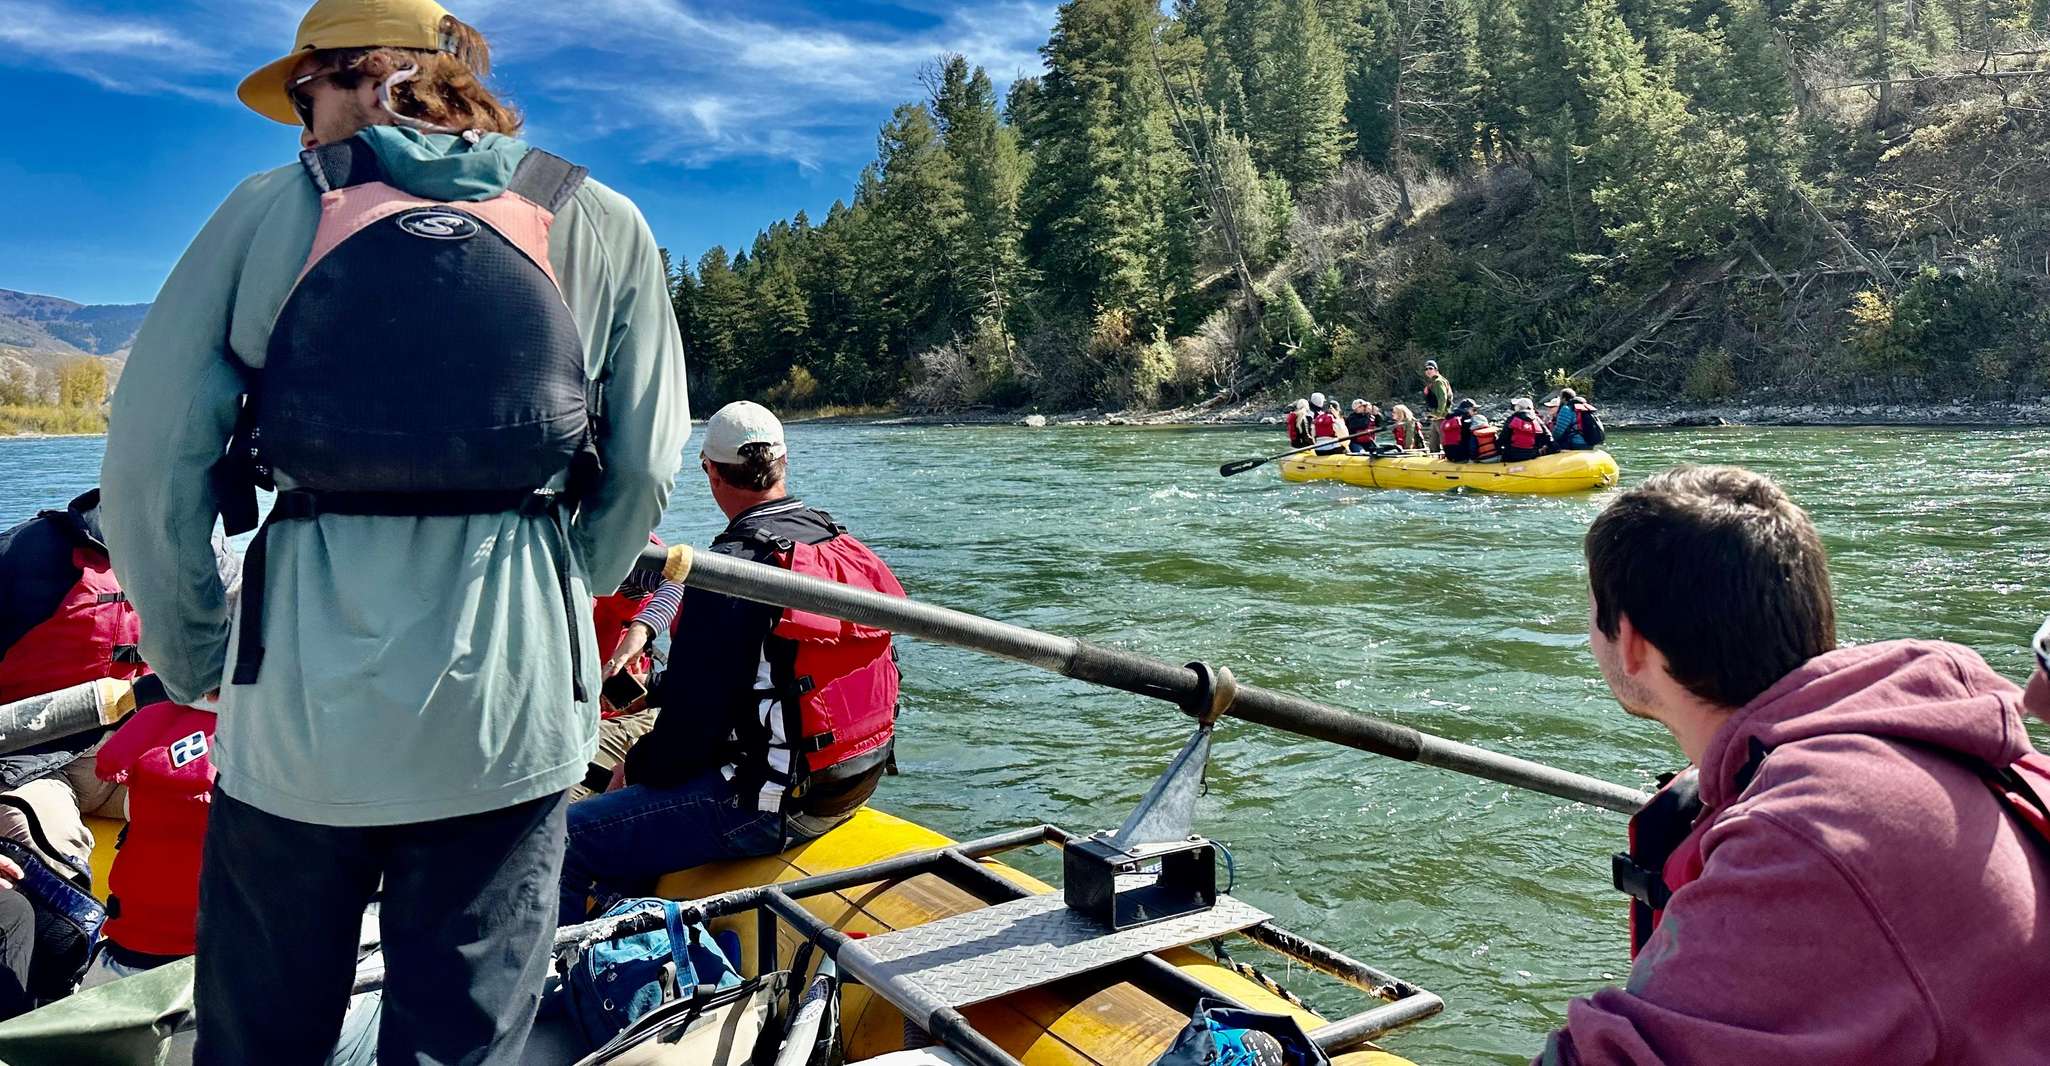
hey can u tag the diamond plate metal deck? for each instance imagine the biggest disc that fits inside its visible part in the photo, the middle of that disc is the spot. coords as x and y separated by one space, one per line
1026 943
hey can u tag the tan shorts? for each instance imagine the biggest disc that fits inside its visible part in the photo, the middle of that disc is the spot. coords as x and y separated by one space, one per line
61 802
615 737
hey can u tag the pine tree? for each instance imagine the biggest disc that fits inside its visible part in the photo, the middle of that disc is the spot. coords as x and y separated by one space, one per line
990 171
1666 185
722 321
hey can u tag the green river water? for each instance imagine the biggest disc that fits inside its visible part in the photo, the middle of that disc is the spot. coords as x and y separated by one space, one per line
1462 615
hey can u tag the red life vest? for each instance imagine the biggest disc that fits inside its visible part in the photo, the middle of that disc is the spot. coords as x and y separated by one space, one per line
91 635
1298 430
1523 432
1450 432
1666 834
162 755
845 676
1406 436
1484 443
1325 425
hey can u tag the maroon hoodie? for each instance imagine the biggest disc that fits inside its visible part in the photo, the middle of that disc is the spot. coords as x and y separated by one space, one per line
1866 900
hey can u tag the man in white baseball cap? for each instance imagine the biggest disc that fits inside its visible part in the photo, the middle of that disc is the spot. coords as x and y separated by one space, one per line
738 425
763 741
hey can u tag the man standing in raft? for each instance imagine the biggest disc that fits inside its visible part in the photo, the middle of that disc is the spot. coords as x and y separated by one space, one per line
470 395
776 725
1860 870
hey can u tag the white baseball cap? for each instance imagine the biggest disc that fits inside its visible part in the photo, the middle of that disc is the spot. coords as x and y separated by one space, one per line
1316 399
739 424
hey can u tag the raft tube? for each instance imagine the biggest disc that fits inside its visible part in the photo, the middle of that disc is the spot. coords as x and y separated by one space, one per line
1090 1020
1577 471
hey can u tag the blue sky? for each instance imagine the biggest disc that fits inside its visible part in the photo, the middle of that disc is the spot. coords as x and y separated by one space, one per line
123 132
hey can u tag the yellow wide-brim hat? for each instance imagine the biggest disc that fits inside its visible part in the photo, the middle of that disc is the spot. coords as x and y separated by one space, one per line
345 24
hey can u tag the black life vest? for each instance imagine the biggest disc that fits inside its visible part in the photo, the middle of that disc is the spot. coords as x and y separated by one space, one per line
1666 833
424 363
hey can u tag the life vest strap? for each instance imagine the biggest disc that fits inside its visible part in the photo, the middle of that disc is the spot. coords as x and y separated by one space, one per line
341 165
548 180
300 504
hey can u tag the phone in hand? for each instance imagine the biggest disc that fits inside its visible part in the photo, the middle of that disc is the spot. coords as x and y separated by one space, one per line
624 692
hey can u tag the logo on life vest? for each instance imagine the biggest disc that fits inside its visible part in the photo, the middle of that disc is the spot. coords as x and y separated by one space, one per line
439 223
187 749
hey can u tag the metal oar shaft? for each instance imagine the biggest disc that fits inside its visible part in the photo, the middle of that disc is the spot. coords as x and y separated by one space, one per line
1125 670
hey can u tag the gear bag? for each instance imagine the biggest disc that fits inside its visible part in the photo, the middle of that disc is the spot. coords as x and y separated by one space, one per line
1221 1035
610 985
424 363
68 917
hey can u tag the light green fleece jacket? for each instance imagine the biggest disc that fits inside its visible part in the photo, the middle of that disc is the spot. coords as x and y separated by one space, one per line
416 668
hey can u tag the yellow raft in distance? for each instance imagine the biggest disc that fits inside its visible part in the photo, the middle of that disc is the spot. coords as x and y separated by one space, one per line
1564 472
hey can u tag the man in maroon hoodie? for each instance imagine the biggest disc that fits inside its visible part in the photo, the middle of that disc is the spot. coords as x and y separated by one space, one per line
1853 890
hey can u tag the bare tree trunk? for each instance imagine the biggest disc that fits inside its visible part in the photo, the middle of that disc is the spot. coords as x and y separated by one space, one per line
1883 116
1214 188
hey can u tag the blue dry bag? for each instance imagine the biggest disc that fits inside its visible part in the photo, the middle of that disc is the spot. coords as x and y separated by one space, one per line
612 983
1219 1035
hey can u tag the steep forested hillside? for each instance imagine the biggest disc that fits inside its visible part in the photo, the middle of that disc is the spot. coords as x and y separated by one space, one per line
1807 198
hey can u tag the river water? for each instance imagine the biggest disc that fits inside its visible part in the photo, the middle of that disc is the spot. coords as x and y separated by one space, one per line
1461 615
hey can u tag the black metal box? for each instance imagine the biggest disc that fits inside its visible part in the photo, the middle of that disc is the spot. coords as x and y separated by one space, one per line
1160 881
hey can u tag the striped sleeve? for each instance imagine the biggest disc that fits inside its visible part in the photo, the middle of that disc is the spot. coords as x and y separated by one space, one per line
659 613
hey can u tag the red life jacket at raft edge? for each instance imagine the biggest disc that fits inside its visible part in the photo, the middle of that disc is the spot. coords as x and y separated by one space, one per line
1325 426
1298 430
1451 431
1405 436
162 755
1666 834
92 633
843 681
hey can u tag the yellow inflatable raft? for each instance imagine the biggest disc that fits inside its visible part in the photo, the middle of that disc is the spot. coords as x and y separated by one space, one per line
1102 1018
1550 474
1096 1019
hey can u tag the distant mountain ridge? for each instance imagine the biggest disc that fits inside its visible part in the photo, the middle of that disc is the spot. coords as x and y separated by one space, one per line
48 325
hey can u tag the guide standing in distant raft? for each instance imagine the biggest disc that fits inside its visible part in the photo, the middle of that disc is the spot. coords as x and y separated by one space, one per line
473 406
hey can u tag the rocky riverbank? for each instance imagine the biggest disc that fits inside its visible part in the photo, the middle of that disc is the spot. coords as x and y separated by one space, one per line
1620 415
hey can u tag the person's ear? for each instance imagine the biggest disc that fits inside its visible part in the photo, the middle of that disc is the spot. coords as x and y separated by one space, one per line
1635 651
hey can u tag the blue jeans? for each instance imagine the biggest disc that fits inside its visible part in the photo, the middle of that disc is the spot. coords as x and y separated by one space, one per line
621 843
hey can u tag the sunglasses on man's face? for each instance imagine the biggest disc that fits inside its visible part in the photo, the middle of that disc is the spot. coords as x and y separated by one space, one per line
302 103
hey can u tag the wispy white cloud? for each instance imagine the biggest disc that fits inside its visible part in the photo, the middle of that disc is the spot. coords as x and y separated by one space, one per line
50 30
702 85
686 82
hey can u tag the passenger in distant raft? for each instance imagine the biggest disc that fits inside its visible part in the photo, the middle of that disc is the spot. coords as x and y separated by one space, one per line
1461 433
1525 436
1362 426
1324 425
776 725
1575 426
1300 424
1856 867
1437 396
1409 433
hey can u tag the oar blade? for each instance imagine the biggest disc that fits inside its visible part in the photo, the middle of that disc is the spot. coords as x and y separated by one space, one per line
1239 466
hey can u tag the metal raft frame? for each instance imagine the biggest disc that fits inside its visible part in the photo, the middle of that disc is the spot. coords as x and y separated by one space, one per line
919 972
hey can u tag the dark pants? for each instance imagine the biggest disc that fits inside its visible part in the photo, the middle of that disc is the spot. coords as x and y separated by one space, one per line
467 920
620 843
17 949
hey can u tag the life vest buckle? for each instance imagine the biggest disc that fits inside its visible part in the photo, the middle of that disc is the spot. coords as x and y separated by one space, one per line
1645 886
